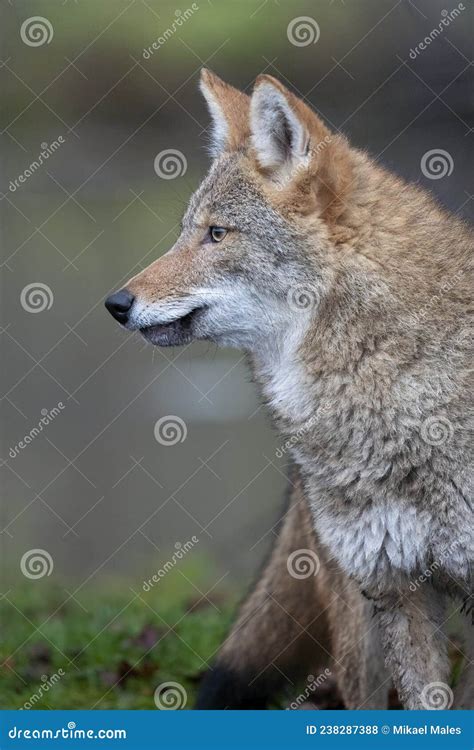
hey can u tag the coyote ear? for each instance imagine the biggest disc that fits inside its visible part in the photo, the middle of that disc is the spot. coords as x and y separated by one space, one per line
289 139
279 133
229 109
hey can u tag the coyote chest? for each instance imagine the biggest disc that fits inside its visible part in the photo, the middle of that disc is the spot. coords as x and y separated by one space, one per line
376 534
378 544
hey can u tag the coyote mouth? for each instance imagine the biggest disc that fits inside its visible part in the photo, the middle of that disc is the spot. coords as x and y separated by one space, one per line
175 333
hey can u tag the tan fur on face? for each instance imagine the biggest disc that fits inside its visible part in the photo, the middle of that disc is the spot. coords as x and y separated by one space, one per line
317 192
170 276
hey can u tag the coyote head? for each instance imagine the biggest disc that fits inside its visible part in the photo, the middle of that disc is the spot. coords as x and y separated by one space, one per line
254 255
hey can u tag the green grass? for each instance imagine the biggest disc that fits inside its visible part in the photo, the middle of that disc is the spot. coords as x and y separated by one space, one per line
116 651
112 647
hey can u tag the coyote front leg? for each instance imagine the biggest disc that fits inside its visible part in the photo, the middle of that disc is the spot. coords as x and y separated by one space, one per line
414 645
358 660
281 629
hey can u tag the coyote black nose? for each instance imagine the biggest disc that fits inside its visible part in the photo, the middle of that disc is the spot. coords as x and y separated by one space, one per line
119 304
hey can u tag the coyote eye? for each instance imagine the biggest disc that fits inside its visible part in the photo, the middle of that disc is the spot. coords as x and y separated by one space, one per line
217 233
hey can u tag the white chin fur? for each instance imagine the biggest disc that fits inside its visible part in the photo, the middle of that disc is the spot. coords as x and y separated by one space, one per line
145 314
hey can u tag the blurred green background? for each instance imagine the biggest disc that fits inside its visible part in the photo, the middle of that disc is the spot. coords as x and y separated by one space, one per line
96 490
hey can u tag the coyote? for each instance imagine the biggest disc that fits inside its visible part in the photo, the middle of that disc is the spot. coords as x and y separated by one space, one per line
350 291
